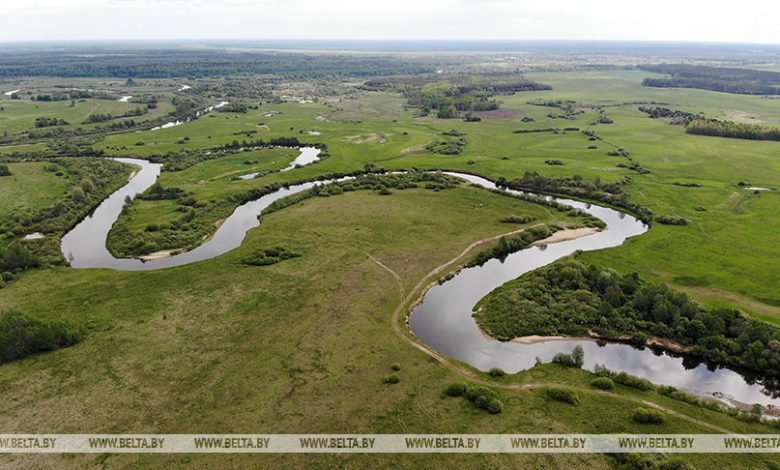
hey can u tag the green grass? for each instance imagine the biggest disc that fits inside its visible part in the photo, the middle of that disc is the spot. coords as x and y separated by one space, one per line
30 187
19 115
733 237
218 346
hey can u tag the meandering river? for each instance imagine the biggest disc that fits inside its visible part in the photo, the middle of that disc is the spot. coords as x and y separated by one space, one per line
443 320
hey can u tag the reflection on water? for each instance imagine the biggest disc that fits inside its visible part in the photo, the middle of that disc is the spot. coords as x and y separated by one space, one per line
444 319
308 155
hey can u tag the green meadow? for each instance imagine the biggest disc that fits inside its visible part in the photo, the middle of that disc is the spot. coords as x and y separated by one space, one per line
303 345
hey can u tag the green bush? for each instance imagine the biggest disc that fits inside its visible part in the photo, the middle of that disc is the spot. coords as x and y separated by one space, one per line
22 335
493 406
633 381
391 379
4 171
17 257
563 394
647 416
396 366
575 359
603 383
269 256
497 372
474 393
518 219
456 390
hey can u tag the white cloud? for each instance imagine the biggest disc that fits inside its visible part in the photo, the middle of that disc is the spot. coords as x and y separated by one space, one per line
692 20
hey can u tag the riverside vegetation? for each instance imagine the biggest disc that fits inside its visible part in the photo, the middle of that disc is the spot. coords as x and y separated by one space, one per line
278 338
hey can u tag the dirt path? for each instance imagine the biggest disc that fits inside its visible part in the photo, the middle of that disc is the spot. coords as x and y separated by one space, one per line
406 335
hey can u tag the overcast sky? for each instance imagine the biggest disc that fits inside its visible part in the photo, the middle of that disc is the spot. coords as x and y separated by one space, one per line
666 20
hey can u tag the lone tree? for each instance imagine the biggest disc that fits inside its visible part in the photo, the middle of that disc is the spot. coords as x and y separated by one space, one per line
4 171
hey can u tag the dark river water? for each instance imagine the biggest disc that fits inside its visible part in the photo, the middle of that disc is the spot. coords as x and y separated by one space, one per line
444 319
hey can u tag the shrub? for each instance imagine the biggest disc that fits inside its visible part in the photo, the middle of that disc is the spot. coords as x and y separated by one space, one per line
497 372
647 416
603 383
633 381
456 390
491 405
396 366
671 220
518 219
269 256
494 406
563 394
17 257
22 335
473 393
4 171
391 379
575 359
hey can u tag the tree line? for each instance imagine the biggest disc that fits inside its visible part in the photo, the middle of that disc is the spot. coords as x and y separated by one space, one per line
737 130
571 298
723 79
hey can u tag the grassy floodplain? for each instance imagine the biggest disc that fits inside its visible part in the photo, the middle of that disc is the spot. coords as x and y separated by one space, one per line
708 258
304 345
155 338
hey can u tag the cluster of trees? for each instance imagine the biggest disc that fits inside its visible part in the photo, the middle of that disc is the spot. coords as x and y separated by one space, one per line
448 100
448 146
22 335
103 117
158 192
570 298
724 79
481 397
16 257
454 95
466 83
554 130
78 61
671 220
570 108
736 130
233 107
269 256
48 122
91 180
681 118
610 193
602 117
508 245
183 159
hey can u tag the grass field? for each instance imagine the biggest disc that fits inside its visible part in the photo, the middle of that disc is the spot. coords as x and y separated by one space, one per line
708 258
207 347
30 187
303 345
